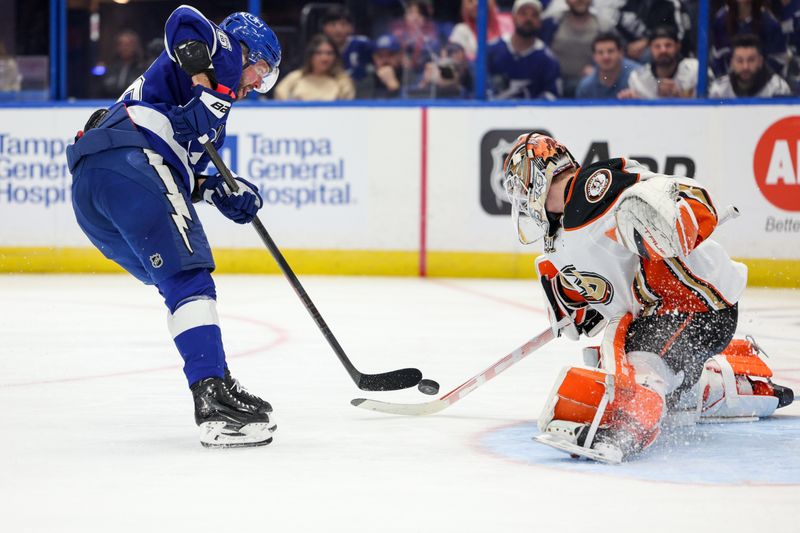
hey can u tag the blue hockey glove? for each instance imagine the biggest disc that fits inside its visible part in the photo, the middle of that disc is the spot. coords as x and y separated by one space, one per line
240 206
202 114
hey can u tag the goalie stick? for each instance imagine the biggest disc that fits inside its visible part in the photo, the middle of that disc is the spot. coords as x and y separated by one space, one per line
394 380
429 408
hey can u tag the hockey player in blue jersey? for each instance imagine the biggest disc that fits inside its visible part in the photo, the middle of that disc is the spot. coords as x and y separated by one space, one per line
138 166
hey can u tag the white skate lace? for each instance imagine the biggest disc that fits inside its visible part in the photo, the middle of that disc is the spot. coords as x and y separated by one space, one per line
241 390
238 387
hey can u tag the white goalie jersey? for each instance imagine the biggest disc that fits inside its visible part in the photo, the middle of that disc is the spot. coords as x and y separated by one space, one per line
614 280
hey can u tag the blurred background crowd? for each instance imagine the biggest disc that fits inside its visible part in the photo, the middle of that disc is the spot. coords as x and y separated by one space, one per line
386 49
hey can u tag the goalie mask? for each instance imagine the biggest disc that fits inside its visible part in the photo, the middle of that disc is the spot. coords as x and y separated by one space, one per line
528 171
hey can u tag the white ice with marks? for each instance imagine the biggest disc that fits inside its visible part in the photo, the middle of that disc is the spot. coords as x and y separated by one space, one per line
98 431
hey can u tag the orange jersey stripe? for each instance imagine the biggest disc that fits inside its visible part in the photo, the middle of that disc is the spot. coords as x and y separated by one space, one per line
672 294
706 220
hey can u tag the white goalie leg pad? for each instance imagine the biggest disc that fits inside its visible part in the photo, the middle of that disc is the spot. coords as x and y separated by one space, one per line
652 372
591 356
724 396
192 314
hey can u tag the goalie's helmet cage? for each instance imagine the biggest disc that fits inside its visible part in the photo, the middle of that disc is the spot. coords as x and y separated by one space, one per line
261 42
529 169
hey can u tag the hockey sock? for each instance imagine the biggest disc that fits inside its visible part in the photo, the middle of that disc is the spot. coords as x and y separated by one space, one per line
195 330
187 285
194 323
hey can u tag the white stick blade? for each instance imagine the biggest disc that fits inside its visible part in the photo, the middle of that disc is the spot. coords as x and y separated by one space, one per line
409 409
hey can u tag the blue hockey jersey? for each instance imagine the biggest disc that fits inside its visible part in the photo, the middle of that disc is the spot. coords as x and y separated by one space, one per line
357 54
533 73
164 85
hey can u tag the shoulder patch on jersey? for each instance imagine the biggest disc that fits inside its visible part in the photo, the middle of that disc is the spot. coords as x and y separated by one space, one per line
597 184
593 192
222 37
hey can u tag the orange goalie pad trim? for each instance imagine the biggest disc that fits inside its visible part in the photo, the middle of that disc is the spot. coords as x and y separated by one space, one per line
706 219
744 359
635 408
579 396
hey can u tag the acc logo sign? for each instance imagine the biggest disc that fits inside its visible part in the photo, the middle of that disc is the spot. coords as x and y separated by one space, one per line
776 164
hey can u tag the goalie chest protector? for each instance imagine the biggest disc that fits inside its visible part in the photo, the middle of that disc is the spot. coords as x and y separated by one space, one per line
616 281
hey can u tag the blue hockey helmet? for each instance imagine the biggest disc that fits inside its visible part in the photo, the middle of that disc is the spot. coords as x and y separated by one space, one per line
261 42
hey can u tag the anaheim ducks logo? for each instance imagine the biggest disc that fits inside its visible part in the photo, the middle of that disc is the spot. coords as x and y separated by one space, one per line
593 287
597 185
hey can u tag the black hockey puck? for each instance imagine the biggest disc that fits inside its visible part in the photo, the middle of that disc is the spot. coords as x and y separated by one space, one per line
428 386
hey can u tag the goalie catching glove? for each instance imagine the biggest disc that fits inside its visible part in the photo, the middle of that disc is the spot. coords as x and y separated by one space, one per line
653 219
568 311
240 206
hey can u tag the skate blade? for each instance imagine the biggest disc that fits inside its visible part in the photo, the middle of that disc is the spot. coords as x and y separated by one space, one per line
220 435
577 451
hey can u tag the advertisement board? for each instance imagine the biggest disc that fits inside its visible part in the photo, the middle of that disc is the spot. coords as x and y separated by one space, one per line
408 190
746 156
330 178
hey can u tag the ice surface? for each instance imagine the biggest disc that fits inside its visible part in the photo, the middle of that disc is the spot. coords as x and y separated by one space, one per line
98 432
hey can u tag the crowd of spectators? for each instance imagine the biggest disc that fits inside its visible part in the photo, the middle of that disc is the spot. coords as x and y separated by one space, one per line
536 49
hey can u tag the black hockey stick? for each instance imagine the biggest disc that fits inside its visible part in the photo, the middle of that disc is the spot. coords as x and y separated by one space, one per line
394 380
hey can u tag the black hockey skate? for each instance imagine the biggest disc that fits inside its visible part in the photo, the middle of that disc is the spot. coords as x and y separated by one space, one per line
227 419
244 395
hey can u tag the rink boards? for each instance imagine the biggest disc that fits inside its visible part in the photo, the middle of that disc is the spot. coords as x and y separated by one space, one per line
409 190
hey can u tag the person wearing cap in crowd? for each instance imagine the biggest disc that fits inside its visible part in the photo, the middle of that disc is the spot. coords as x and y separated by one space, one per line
520 64
356 50
667 75
385 77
